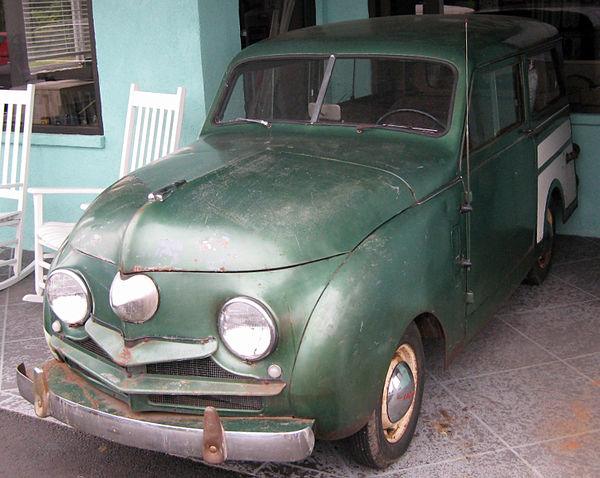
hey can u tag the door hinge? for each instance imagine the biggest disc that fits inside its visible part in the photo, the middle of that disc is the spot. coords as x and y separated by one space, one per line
470 297
465 263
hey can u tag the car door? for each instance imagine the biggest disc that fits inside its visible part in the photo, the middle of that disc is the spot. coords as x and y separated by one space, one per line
550 128
502 176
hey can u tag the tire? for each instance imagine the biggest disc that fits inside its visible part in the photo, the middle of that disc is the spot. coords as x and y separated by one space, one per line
543 261
382 441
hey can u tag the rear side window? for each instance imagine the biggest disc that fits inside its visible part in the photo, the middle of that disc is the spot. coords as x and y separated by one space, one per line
543 78
496 104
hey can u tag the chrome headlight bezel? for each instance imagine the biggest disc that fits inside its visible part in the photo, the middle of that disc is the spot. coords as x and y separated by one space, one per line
242 347
135 298
56 298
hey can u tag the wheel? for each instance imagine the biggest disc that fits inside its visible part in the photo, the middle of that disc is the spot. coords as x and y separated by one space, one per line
541 267
410 110
388 432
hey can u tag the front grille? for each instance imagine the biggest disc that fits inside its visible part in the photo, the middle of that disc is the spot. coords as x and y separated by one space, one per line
91 346
77 368
205 367
195 368
230 402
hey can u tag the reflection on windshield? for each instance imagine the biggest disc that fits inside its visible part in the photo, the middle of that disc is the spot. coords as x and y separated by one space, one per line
400 93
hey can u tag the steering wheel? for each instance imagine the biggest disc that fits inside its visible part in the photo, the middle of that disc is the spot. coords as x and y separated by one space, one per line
410 110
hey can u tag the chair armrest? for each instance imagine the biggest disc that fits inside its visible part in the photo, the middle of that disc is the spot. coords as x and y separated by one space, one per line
38 200
43 190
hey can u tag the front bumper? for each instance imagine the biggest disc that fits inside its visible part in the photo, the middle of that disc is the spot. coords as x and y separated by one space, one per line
57 391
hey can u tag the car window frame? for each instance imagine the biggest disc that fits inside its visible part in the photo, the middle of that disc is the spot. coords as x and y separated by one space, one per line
228 88
496 66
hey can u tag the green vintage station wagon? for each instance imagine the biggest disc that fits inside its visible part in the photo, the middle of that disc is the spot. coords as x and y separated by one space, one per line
357 188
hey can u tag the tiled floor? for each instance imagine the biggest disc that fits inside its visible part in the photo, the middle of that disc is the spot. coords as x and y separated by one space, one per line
523 399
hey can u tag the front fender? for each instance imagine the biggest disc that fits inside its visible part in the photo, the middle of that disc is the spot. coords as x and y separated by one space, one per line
407 267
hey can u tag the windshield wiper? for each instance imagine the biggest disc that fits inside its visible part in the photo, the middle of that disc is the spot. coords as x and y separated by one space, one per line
362 127
254 120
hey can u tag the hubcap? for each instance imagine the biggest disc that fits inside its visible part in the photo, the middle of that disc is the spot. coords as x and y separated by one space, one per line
398 399
401 391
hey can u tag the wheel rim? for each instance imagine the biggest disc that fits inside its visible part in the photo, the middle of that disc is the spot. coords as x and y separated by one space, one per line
546 253
404 359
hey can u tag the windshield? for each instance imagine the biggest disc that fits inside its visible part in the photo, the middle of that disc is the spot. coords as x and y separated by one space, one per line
364 92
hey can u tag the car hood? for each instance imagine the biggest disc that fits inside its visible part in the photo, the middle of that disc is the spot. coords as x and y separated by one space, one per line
237 204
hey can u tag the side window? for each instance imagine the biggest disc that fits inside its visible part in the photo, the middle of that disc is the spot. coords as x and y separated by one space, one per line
495 104
543 78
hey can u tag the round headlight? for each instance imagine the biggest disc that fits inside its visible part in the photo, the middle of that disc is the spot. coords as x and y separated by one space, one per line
68 296
247 328
135 298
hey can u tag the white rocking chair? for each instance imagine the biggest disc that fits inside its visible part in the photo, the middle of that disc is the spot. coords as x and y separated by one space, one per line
152 130
15 114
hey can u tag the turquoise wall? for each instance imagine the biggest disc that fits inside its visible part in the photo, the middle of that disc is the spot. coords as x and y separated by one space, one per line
586 219
219 42
159 44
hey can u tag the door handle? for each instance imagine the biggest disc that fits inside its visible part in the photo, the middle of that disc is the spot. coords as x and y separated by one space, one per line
573 155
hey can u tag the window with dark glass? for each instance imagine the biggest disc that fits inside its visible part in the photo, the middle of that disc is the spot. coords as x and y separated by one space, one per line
51 43
495 104
543 78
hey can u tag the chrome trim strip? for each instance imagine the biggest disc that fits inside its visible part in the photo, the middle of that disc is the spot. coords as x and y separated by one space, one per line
540 127
174 440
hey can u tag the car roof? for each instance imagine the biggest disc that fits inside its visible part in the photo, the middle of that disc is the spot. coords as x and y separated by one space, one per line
434 36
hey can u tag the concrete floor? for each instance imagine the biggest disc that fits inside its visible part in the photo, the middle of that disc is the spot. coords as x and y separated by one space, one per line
523 398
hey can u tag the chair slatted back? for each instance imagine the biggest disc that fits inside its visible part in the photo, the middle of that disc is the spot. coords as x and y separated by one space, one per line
15 135
152 127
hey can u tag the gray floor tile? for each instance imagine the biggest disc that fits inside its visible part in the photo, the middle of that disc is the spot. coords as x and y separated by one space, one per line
4 296
554 292
574 248
532 404
11 400
576 456
567 331
328 457
585 275
17 291
243 468
272 470
23 321
32 352
497 347
497 464
588 365
445 431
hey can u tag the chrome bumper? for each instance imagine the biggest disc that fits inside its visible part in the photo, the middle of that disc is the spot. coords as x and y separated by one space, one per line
56 391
